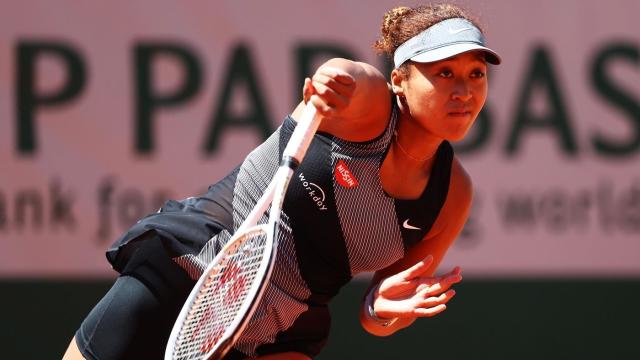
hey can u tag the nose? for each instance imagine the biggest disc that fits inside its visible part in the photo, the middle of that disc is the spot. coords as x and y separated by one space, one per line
461 91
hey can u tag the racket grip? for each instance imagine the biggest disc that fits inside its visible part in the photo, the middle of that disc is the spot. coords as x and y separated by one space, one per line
303 133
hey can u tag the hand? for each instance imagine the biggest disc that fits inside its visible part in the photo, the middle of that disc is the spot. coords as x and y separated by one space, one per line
329 90
410 294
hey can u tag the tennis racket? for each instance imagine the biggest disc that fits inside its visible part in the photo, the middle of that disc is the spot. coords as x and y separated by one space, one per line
227 293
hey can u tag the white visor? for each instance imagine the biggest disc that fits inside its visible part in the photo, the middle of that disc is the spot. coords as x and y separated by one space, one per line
443 40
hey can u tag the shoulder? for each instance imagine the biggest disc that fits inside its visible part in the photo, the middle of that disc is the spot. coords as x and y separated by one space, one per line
368 78
360 70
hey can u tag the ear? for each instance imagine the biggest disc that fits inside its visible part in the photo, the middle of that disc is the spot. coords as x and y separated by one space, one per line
396 82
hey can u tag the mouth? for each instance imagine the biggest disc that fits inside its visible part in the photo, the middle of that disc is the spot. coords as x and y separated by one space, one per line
459 113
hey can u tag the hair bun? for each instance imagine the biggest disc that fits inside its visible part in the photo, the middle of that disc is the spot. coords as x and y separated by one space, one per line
390 26
392 18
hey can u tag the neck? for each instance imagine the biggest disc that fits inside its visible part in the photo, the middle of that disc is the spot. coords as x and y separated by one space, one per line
413 143
406 169
407 154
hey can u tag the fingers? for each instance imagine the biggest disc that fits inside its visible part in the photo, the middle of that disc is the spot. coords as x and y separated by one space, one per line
330 96
430 311
339 75
323 107
307 90
434 301
433 305
420 296
417 269
434 286
420 305
330 90
340 88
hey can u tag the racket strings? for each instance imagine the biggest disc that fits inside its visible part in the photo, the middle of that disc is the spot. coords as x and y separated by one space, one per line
218 303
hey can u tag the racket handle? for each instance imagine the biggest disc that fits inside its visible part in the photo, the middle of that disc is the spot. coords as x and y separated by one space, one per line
303 133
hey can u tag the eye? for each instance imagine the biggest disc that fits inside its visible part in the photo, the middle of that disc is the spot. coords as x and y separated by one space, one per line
446 73
478 73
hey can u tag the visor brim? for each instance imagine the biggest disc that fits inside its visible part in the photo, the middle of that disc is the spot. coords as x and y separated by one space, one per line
452 50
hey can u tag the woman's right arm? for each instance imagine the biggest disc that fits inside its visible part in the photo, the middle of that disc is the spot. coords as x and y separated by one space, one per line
353 97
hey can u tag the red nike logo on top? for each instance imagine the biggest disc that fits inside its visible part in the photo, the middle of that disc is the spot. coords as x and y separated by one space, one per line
344 175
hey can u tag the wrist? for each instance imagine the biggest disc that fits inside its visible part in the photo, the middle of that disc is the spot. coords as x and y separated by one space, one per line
370 313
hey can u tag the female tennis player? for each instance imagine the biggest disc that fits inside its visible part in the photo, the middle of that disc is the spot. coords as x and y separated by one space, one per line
380 190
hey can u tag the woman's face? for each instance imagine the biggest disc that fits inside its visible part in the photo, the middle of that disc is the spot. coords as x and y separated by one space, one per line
445 97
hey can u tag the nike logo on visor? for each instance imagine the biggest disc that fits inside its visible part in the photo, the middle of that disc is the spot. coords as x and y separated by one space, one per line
406 225
456 31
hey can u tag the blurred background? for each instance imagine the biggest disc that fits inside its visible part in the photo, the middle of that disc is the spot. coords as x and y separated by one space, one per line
108 109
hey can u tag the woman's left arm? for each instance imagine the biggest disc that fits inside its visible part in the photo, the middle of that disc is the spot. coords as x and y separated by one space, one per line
407 289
